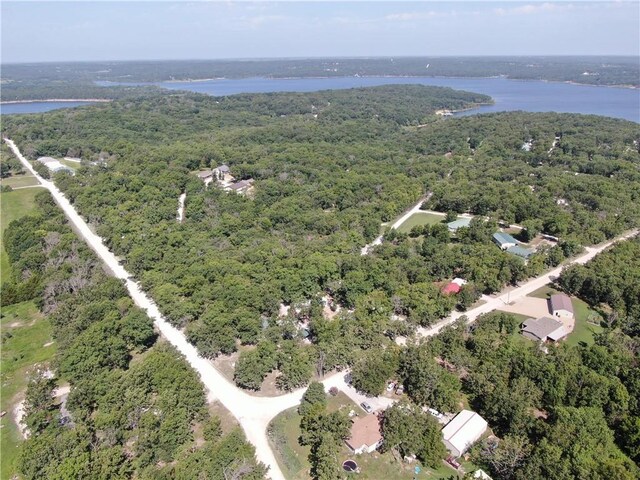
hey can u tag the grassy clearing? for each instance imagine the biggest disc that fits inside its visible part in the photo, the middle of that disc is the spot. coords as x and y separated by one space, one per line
24 334
13 205
69 163
20 181
420 218
584 330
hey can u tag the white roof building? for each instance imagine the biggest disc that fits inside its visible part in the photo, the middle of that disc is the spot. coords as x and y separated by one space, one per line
463 431
54 165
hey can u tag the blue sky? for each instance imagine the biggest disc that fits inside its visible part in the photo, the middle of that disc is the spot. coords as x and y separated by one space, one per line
68 31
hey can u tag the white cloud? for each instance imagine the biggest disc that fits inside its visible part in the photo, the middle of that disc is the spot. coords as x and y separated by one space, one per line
411 16
532 9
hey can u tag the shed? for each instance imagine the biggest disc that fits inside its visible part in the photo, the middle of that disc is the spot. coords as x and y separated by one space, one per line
463 431
543 329
560 306
365 434
504 240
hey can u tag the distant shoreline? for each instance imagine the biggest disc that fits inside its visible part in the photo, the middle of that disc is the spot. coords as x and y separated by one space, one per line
92 100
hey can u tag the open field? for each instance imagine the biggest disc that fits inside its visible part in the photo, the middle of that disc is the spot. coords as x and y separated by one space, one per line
24 336
13 205
20 181
420 218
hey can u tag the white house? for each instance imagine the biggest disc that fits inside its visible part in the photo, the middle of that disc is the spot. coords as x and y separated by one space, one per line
561 306
365 435
55 166
463 431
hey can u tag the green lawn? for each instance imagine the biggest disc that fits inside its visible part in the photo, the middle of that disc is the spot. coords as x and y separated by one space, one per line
13 205
584 330
20 181
24 334
420 218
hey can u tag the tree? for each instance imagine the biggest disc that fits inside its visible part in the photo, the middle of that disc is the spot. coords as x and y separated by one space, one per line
371 373
407 431
314 395
324 458
505 456
39 403
426 382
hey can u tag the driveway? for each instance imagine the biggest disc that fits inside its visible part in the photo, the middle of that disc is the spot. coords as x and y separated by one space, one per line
529 306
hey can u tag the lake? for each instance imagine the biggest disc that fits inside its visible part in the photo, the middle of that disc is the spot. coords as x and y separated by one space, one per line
37 107
527 95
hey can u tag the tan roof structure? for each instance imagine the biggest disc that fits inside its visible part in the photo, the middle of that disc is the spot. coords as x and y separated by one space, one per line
365 432
543 329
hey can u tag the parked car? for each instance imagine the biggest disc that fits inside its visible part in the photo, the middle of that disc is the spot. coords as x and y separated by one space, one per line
348 378
453 462
366 407
400 390
391 386
435 413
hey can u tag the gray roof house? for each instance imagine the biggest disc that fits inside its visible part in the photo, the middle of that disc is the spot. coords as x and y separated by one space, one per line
520 251
504 240
459 223
241 186
543 329
560 305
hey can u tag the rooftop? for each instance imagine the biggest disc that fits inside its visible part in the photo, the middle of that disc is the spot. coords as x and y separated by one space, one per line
543 328
502 238
520 251
560 301
459 223
464 430
364 431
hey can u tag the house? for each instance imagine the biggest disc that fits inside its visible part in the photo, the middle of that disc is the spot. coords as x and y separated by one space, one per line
504 240
463 431
55 166
481 474
459 223
205 175
365 436
242 186
543 329
221 171
560 306
451 289
521 252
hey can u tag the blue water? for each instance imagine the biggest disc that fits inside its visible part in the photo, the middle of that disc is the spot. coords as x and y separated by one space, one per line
527 95
37 107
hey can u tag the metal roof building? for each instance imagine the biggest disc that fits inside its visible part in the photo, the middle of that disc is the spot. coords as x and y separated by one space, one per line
463 431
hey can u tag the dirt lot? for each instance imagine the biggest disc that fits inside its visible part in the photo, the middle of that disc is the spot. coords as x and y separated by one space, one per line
532 307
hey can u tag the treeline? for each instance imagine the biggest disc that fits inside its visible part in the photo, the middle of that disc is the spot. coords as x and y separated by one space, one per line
323 187
134 403
612 280
9 164
602 70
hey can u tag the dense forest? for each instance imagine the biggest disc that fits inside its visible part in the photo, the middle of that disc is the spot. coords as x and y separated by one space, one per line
329 168
135 409
76 80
